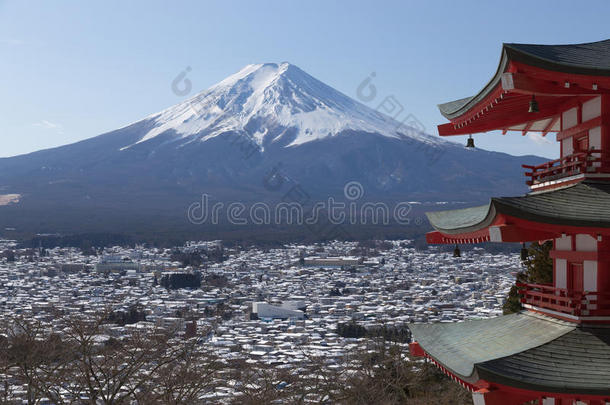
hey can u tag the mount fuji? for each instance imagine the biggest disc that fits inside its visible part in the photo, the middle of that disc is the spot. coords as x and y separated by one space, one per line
266 126
271 104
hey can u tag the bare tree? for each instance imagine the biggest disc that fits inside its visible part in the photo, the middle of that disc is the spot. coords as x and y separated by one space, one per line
191 373
36 358
80 363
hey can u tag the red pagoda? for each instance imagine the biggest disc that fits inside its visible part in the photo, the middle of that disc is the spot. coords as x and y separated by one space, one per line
557 350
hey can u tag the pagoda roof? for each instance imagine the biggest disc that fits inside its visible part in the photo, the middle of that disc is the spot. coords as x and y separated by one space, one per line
523 350
591 58
583 204
462 345
576 362
497 98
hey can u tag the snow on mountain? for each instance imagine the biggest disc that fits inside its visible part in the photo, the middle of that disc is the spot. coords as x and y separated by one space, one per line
264 101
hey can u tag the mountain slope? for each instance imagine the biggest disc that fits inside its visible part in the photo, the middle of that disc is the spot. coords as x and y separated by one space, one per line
266 120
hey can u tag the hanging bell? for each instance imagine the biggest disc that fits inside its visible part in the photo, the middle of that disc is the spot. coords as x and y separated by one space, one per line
524 253
470 142
533 105
456 252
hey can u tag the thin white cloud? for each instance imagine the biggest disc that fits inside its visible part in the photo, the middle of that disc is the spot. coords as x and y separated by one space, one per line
539 139
50 125
11 41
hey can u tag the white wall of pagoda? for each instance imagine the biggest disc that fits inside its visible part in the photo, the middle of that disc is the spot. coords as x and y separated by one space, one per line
575 243
563 243
595 141
590 275
591 109
585 243
561 265
561 273
574 116
569 118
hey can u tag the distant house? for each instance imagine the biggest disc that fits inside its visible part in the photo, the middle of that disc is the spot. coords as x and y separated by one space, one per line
263 310
116 263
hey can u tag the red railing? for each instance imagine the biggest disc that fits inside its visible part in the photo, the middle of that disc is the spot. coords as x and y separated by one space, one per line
592 161
577 303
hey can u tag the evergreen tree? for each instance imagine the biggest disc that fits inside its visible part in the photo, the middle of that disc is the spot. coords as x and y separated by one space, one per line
539 263
10 255
513 302
538 270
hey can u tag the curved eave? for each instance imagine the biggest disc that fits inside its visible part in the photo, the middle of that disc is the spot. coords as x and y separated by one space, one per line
459 347
456 108
466 225
522 351
582 207
538 56
464 220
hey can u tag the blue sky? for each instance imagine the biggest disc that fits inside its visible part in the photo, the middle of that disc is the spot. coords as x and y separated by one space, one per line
71 70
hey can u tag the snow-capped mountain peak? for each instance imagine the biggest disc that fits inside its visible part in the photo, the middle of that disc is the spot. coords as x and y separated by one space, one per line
271 102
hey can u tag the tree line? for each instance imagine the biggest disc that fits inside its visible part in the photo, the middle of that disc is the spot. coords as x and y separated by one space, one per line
387 333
